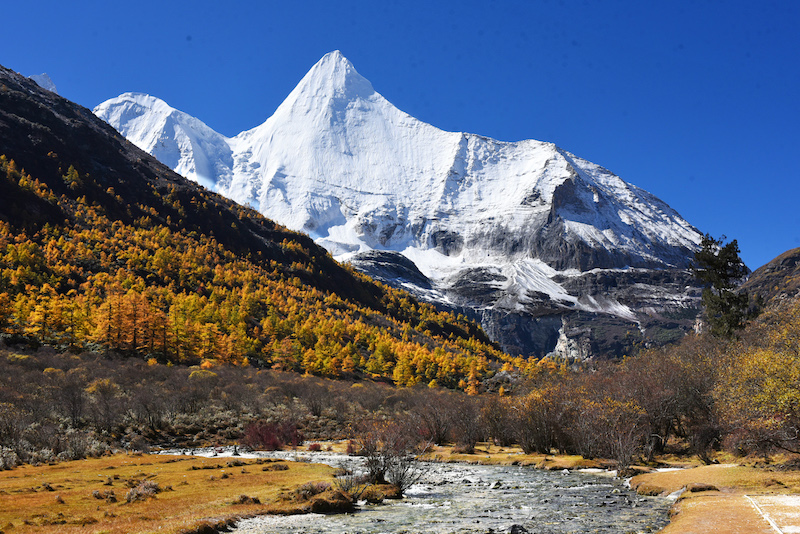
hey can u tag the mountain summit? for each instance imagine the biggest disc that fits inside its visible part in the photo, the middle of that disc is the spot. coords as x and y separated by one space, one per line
514 233
332 79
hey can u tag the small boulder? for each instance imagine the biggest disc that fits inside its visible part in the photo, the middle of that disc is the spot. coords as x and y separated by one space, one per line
650 490
332 502
696 487
246 499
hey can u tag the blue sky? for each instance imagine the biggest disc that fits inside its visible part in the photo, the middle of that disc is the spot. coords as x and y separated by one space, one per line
696 102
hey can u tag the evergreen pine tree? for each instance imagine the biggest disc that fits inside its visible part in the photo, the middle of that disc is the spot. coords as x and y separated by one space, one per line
720 269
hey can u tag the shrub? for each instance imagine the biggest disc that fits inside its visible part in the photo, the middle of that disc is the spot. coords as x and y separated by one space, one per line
79 445
310 489
262 435
351 483
8 459
144 490
389 451
315 447
541 419
246 499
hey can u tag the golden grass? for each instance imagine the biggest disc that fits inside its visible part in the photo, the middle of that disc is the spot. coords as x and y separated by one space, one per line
724 510
62 498
488 454
724 476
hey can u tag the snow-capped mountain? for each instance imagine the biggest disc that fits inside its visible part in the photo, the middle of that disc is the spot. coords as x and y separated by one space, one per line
499 229
44 81
176 139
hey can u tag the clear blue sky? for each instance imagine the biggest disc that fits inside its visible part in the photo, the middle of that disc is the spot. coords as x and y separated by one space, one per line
696 102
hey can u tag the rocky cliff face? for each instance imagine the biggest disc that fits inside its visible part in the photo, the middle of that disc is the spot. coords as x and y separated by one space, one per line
536 242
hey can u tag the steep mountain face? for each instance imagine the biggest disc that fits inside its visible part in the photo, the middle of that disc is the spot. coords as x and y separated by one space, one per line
527 237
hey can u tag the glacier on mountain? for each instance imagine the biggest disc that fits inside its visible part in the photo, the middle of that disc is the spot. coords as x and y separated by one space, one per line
494 226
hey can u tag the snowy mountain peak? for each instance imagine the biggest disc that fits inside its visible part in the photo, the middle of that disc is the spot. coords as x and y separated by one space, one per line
337 160
175 138
332 83
335 73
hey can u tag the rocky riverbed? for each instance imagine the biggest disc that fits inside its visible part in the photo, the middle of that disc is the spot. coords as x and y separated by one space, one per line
458 498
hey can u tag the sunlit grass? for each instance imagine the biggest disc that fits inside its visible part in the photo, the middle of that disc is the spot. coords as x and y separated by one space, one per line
490 454
724 476
73 496
718 504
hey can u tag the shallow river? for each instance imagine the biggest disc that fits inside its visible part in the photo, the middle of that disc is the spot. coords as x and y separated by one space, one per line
456 498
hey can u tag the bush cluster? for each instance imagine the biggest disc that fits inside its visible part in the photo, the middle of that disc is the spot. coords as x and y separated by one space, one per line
266 436
142 491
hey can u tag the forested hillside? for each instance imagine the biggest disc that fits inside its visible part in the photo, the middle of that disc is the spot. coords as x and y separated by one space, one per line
104 248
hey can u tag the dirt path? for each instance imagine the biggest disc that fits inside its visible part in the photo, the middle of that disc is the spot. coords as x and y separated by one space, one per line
728 499
720 513
782 510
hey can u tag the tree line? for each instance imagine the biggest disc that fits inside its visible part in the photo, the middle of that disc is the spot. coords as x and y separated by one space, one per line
148 290
702 395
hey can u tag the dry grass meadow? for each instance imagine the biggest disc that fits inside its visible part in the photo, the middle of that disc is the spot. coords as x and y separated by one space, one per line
174 493
186 494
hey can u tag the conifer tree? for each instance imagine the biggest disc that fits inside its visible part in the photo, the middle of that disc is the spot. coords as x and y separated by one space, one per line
720 269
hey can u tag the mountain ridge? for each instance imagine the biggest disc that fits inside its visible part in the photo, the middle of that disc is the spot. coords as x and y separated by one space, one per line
776 280
340 162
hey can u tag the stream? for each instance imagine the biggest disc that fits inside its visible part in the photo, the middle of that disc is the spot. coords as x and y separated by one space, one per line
472 499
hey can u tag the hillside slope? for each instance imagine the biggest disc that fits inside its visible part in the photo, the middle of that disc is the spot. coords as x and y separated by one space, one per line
778 279
105 247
